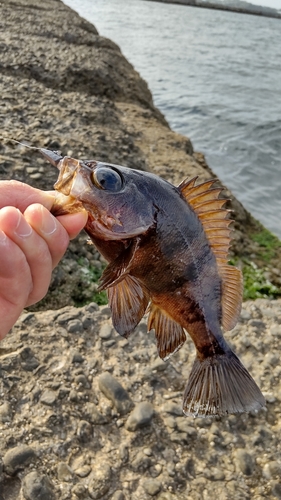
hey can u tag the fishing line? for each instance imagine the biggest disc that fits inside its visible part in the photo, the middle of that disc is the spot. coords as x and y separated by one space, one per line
18 142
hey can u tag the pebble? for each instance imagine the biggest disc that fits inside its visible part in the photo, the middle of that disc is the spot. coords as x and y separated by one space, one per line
114 391
76 356
141 415
65 473
18 458
272 470
152 487
37 487
100 481
82 381
75 326
244 462
49 397
105 331
79 490
94 415
276 489
172 408
5 412
83 471
118 495
84 431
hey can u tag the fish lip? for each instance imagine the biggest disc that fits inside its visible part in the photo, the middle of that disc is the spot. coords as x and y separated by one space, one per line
106 233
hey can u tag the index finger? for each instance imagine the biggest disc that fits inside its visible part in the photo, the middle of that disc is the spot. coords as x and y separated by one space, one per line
20 195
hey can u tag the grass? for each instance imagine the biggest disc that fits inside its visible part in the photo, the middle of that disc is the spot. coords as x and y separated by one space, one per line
268 243
90 276
256 284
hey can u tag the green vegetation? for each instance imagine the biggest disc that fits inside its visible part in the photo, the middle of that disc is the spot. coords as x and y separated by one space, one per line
86 290
256 284
269 244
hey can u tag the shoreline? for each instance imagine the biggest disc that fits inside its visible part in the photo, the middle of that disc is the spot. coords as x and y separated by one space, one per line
214 6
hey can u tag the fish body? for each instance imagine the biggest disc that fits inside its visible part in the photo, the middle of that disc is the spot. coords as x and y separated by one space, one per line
167 249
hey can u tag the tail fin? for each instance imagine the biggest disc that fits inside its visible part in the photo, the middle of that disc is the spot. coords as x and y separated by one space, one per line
220 385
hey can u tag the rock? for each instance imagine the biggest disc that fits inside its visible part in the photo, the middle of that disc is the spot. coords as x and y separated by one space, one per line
92 308
172 408
94 415
183 425
151 486
276 489
124 453
214 474
5 412
65 318
100 481
155 470
272 470
37 487
29 361
118 495
82 381
49 397
105 331
114 391
75 326
76 356
159 365
245 462
84 431
18 458
141 415
83 471
141 463
79 490
65 473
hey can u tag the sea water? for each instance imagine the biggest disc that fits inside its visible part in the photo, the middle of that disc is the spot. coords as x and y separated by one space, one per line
216 76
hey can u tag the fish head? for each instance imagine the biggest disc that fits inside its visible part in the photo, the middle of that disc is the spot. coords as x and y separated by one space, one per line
116 198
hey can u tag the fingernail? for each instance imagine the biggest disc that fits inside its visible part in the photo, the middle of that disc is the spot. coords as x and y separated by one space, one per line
23 229
49 224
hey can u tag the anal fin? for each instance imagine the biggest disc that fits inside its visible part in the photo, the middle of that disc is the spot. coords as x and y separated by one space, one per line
169 335
220 385
128 302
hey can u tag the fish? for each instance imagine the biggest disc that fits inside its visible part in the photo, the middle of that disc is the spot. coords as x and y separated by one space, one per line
167 252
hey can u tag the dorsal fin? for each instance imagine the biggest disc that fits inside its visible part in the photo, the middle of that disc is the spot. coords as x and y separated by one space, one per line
205 201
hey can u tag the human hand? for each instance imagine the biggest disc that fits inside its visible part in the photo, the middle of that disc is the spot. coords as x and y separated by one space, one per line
32 242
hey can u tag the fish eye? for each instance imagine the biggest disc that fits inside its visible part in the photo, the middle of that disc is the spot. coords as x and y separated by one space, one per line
107 179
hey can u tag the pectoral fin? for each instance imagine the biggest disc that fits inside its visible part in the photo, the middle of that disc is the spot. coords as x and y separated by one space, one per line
128 302
118 268
169 335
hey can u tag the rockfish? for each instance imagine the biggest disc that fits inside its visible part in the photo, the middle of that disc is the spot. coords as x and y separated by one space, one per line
167 250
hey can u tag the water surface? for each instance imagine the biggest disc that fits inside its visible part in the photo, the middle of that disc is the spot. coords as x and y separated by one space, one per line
217 78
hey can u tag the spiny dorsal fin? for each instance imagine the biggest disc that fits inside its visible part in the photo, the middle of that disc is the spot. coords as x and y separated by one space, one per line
205 201
169 335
